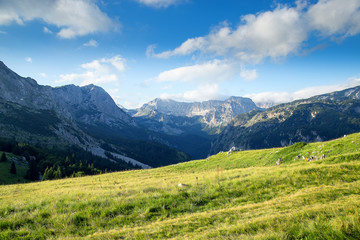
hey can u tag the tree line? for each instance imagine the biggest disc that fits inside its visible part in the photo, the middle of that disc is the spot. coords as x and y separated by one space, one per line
56 162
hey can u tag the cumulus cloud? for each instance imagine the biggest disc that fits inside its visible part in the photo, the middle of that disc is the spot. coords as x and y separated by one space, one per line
268 99
212 71
73 18
269 34
335 17
248 75
159 3
28 59
91 43
202 93
97 72
275 33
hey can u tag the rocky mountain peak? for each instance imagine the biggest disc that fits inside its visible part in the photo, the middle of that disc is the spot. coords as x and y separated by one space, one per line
90 104
24 91
214 113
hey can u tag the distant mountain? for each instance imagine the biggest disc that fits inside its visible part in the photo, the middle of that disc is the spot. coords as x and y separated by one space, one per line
319 118
190 127
70 115
212 113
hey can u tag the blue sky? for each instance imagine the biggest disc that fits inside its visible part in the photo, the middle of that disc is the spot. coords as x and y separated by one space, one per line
187 50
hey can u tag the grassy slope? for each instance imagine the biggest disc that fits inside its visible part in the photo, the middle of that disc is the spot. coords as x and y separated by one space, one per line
6 177
238 196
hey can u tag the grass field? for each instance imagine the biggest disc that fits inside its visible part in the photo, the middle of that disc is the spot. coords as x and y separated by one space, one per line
241 195
6 177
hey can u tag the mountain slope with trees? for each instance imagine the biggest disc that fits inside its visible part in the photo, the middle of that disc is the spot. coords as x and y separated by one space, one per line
319 118
68 117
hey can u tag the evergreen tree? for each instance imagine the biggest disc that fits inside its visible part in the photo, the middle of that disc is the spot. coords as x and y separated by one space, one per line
48 174
32 173
3 158
13 168
57 173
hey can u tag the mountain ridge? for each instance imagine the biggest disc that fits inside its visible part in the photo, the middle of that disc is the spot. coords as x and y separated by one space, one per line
84 116
319 118
184 125
214 113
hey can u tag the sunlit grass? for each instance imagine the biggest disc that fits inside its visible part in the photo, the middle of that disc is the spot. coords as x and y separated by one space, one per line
242 195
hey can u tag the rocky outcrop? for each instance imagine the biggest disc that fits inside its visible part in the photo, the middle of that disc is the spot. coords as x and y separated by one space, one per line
91 105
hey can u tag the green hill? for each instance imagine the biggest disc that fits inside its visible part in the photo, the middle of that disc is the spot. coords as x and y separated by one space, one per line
237 195
21 167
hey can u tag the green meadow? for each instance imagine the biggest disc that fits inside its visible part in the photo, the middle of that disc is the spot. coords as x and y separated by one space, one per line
237 195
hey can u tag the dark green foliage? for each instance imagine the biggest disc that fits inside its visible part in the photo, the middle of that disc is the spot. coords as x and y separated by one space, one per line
29 120
32 173
13 168
48 174
148 152
3 158
57 173
58 163
195 140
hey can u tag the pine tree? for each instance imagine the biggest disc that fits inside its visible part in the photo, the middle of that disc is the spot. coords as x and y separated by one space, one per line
3 158
57 173
48 174
13 168
32 173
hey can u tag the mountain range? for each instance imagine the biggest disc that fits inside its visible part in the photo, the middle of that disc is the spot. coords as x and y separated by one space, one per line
190 126
163 131
70 115
318 118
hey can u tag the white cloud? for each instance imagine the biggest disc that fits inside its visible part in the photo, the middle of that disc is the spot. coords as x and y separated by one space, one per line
188 47
46 30
159 3
274 34
248 75
2 32
269 34
28 59
91 43
267 99
97 72
212 71
202 93
73 17
44 75
335 17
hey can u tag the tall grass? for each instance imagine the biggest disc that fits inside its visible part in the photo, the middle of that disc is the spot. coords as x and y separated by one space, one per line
242 195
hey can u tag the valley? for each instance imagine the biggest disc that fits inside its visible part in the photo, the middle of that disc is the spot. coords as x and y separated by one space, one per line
84 124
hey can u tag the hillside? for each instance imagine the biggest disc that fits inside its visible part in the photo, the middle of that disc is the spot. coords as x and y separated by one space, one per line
319 118
71 116
236 195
